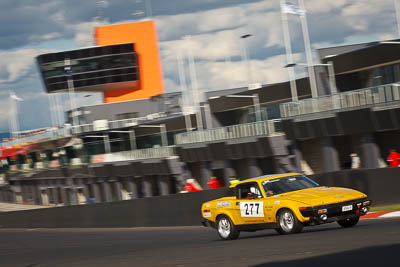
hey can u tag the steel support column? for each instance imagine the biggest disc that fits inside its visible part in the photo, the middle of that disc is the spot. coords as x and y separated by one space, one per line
330 155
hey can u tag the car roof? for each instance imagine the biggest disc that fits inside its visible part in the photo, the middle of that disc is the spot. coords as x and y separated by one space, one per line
265 177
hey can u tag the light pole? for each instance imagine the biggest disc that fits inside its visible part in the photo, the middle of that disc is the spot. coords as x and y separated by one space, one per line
246 58
14 105
307 45
289 56
186 108
196 94
12 122
396 7
163 132
207 113
54 122
149 12
331 73
256 103
59 113
71 89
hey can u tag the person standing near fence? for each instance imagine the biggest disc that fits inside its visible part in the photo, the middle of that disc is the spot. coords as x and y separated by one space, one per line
191 186
213 183
355 161
394 158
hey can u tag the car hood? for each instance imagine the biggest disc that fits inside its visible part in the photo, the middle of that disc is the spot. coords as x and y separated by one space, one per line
324 195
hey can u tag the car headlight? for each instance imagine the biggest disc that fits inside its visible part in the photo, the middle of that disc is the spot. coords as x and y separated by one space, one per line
324 217
364 209
321 211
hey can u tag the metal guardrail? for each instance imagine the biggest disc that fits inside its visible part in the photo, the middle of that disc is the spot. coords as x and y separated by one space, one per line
148 153
48 135
122 123
266 128
134 121
357 98
139 154
83 128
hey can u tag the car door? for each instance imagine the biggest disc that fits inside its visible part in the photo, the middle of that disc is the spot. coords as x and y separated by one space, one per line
249 204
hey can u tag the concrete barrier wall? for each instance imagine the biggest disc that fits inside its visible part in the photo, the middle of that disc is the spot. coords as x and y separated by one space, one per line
173 210
382 186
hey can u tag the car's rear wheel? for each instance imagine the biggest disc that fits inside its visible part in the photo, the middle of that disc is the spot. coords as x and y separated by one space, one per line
226 229
349 222
287 222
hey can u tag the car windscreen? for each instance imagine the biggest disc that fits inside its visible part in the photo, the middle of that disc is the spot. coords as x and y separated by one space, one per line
287 184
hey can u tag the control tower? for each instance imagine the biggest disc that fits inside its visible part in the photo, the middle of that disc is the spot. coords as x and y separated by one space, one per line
124 66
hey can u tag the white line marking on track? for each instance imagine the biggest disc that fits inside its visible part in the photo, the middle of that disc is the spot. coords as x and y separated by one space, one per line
391 214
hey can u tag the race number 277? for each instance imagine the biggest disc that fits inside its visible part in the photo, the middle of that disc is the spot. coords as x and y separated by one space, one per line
251 209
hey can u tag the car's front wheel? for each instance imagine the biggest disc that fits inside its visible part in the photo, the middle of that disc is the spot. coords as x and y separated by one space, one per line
349 222
226 229
287 222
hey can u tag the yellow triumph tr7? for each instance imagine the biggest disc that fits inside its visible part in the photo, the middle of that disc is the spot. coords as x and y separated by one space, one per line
284 202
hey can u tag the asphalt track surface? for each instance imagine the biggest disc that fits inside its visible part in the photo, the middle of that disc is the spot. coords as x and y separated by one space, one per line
373 242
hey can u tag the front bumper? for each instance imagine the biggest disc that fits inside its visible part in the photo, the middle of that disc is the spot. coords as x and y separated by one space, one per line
334 212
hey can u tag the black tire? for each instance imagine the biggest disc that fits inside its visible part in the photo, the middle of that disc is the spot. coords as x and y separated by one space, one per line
287 222
226 229
349 222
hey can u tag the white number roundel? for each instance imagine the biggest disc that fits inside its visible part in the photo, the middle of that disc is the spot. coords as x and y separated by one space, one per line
251 209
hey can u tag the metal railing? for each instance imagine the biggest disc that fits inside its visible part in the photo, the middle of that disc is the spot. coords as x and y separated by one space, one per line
122 123
148 153
78 129
47 135
83 128
266 128
134 121
357 98
139 154
67 132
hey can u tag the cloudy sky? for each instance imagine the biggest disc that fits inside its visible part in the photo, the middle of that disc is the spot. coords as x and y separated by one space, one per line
32 27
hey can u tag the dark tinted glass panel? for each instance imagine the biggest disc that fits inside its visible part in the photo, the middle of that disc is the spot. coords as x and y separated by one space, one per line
90 66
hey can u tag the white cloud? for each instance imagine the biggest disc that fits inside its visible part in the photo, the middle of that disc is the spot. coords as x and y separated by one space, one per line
216 75
17 64
171 86
205 46
84 32
364 8
45 37
387 36
361 15
58 17
318 6
199 22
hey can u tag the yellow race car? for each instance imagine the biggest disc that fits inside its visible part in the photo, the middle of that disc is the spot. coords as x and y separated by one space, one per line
284 202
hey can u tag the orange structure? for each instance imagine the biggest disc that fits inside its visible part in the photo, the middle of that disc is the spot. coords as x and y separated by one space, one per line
144 35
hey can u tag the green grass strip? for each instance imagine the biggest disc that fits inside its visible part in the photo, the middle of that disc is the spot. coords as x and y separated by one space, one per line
386 208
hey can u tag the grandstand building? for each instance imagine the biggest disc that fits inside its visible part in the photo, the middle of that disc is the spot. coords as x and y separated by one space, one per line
143 142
